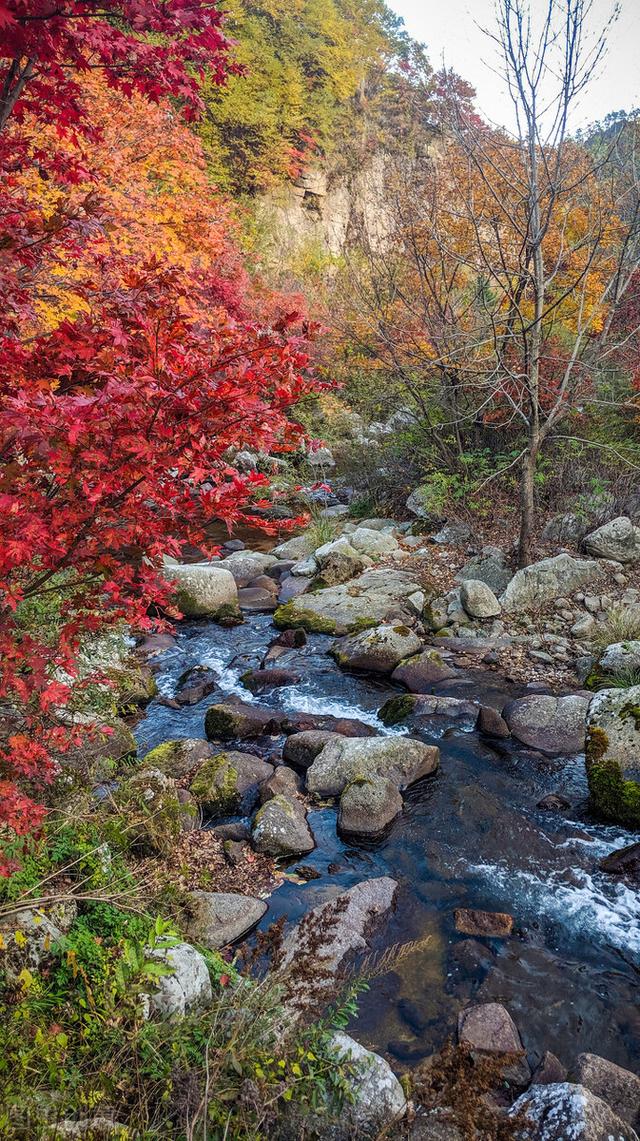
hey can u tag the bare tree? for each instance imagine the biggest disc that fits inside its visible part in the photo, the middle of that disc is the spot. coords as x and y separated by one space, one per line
512 252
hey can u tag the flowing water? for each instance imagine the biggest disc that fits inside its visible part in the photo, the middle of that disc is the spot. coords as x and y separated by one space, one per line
470 836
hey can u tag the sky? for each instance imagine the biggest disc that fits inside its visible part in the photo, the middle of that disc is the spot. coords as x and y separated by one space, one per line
450 30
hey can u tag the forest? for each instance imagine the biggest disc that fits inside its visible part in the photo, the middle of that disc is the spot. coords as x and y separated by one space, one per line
319 577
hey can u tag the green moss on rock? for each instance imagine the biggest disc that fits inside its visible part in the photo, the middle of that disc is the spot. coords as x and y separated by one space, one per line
613 796
151 810
290 617
397 709
219 723
361 624
215 785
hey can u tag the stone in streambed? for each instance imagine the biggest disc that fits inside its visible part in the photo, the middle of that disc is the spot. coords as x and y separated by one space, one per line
432 712
343 726
177 758
422 671
280 828
478 599
234 720
549 1070
217 918
623 862
492 723
228 782
258 680
367 807
494 924
256 600
554 725
620 1088
566 1112
401 760
204 590
301 749
490 1029
378 650
284 782
195 684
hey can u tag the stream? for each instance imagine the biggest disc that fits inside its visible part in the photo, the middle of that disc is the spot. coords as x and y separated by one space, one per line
470 836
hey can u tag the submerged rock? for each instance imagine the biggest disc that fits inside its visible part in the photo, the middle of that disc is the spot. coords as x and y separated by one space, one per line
490 1029
217 917
378 650
258 680
495 924
564 1112
400 760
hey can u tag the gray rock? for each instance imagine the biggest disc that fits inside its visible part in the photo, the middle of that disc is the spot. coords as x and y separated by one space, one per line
555 725
615 712
305 568
618 540
301 749
321 457
29 934
378 650
561 529
377 1100
373 543
618 1087
421 672
293 587
194 684
584 627
228 782
453 535
247 565
367 807
378 524
420 503
237 720
296 548
203 590
432 712
218 917
188 987
280 828
336 610
342 566
564 1112
178 758
491 567
547 580
284 782
328 939
478 599
490 1029
620 656
398 759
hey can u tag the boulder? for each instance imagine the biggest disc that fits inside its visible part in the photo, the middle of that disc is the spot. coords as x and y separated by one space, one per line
424 504
373 543
554 725
292 588
259 680
431 712
339 567
245 566
490 1029
613 755
188 987
565 1112
378 650
28 935
284 782
194 684
151 808
401 760
495 924
326 941
343 609
549 1070
423 671
228 782
343 726
378 524
203 590
296 548
305 568
235 720
178 758
620 656
623 862
280 828
491 567
564 529
492 723
547 580
367 808
301 749
478 599
217 918
618 540
618 1087
256 600
377 1101
453 535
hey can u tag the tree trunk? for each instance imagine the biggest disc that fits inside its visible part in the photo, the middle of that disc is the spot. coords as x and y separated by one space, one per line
527 501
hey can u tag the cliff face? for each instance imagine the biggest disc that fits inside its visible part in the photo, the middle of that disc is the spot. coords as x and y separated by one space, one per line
330 210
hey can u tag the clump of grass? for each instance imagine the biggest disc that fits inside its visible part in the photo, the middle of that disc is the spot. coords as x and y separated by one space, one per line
622 624
623 679
321 530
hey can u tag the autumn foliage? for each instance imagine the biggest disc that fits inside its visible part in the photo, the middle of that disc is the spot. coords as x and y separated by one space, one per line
135 352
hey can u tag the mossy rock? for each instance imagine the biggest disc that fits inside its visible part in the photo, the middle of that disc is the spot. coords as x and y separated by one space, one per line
177 758
613 796
397 709
134 686
291 617
362 624
152 812
215 786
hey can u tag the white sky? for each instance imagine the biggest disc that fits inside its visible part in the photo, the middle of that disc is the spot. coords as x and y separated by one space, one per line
449 28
